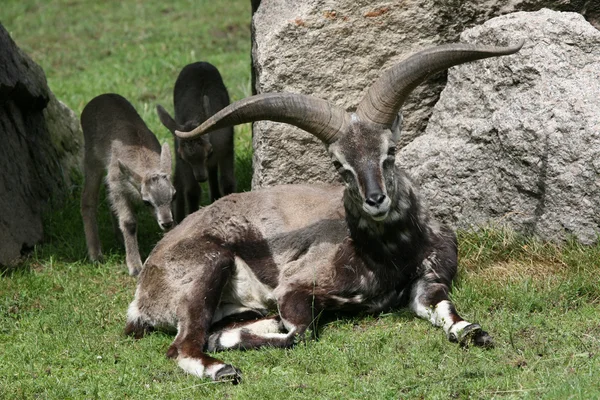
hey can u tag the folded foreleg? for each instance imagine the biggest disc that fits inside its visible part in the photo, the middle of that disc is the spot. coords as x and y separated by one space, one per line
251 335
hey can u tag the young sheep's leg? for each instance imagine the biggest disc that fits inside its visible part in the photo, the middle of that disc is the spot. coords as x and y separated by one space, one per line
213 183
226 170
116 229
430 301
89 208
195 314
188 191
193 194
179 205
128 226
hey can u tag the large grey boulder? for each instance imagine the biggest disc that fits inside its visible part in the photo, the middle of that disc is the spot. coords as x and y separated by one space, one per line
335 49
516 140
40 153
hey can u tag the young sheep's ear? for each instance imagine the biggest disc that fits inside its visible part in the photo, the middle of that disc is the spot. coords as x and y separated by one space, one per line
131 175
396 127
165 159
166 119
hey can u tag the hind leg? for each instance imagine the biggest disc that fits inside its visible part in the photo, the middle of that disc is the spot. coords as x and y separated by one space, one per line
195 314
89 207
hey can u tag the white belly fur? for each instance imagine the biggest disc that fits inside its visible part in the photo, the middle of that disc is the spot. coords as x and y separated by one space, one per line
244 292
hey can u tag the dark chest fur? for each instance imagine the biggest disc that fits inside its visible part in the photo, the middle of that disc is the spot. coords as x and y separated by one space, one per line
379 266
380 261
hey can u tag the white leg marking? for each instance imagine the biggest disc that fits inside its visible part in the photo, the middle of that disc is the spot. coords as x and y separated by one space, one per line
291 328
264 326
211 370
457 328
275 335
192 366
230 338
439 315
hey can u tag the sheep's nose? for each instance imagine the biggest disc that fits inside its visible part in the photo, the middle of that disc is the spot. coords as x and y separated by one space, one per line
375 199
166 225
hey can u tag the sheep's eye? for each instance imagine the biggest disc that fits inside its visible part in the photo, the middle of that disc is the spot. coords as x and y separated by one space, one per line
337 165
147 203
391 151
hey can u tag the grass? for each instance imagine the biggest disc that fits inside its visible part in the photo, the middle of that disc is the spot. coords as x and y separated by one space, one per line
61 317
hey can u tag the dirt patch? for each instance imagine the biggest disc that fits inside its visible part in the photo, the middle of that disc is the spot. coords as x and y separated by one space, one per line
517 270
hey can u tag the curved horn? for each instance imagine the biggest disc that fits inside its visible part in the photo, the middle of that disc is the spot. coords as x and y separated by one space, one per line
385 97
314 115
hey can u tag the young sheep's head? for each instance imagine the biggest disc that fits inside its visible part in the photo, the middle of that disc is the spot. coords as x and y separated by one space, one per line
194 152
361 143
156 189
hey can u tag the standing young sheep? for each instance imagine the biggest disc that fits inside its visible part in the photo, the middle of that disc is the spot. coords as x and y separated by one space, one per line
119 144
199 93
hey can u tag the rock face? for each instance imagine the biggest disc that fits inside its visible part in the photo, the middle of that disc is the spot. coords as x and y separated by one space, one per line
41 148
336 49
516 140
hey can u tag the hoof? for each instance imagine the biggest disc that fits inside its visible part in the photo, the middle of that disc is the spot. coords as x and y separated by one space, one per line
97 259
472 334
229 373
483 339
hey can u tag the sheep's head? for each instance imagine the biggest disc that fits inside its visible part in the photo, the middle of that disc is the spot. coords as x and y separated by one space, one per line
364 157
361 144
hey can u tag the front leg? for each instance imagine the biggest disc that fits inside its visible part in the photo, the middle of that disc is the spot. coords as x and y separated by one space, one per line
430 301
128 227
429 297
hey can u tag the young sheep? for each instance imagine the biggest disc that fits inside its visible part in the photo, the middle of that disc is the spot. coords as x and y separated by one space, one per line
298 250
118 143
199 93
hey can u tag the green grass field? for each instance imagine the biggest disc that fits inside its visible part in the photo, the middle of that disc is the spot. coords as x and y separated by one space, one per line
61 317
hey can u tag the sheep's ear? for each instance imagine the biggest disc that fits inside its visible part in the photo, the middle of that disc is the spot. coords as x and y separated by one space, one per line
166 119
131 175
396 127
166 164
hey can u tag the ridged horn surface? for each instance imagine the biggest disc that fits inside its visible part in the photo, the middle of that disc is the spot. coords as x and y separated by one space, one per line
314 115
385 97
